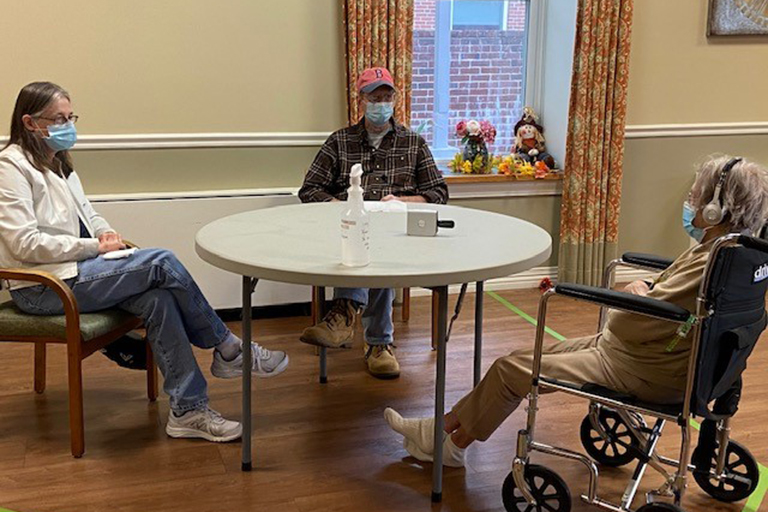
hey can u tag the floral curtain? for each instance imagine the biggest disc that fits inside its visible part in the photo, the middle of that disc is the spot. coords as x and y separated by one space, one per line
595 143
379 33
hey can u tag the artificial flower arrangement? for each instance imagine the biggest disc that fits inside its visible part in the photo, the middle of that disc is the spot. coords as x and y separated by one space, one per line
474 159
514 165
528 160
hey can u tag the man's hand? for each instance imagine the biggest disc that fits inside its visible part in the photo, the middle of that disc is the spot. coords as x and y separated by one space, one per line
637 288
110 241
405 199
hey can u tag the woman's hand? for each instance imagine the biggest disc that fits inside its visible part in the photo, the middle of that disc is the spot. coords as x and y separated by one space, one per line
111 236
637 288
109 242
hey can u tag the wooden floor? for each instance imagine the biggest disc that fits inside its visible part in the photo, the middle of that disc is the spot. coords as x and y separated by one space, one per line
323 448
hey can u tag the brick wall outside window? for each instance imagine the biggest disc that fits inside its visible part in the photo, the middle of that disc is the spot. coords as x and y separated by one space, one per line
486 79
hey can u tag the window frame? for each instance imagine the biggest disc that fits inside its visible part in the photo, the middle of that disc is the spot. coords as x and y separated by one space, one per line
533 50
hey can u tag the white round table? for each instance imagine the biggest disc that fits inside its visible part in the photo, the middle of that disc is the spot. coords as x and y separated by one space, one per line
301 244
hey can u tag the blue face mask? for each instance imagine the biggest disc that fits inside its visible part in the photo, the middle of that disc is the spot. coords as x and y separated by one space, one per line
688 215
61 137
379 113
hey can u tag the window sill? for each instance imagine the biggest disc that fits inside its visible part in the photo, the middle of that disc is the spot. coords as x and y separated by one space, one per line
468 186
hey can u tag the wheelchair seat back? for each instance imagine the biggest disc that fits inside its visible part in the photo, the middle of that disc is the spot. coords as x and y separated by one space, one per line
734 291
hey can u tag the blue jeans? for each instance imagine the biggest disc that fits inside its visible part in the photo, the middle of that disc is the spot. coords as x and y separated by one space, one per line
377 317
153 285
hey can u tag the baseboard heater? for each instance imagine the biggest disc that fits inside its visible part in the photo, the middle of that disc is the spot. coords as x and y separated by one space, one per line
171 221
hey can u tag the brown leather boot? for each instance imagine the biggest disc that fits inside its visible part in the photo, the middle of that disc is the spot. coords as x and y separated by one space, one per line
337 328
381 361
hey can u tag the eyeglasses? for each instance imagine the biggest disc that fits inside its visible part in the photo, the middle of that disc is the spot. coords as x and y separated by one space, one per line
387 97
61 119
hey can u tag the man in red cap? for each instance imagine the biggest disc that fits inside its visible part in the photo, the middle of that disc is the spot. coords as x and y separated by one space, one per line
397 165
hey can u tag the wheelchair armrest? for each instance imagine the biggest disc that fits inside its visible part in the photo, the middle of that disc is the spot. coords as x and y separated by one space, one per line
646 260
625 301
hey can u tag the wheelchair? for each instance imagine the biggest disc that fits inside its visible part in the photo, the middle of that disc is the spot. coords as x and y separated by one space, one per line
729 318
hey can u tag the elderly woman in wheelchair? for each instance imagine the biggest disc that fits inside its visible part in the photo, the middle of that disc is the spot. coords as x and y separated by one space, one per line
670 348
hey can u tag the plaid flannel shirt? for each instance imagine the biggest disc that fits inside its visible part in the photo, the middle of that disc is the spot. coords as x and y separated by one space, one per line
402 166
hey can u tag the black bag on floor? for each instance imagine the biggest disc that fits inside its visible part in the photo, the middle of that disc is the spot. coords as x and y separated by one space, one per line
128 351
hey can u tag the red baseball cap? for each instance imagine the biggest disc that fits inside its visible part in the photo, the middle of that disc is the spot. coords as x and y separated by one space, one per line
373 78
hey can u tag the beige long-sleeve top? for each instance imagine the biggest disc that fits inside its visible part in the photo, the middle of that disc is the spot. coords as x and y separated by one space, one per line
39 227
641 345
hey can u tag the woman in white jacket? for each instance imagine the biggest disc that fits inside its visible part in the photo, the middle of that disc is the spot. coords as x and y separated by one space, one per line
47 223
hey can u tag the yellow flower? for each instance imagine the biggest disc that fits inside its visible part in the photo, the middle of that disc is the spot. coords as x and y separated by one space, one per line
456 165
467 167
526 168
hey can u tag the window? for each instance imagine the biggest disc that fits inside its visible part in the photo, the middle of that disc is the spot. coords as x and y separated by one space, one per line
468 14
469 62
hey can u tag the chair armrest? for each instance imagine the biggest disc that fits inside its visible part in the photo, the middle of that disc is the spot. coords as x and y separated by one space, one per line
625 301
37 276
646 260
58 286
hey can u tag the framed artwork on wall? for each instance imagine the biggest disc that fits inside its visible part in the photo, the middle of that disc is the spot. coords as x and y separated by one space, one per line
738 18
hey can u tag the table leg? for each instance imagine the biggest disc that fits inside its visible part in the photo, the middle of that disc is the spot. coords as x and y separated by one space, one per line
249 285
323 351
478 331
442 320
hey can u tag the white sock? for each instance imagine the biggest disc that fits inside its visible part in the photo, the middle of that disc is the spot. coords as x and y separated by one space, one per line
230 348
418 432
415 452
453 456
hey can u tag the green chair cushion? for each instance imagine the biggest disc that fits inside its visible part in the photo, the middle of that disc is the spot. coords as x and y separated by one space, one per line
14 322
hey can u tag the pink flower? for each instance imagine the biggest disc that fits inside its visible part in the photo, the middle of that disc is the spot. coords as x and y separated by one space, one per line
488 132
461 129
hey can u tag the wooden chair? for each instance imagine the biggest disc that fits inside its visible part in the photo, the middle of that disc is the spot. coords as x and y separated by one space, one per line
83 334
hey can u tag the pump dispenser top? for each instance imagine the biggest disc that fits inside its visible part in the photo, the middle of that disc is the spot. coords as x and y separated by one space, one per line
355 191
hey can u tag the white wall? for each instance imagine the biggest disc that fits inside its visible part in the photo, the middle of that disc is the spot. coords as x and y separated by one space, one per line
557 66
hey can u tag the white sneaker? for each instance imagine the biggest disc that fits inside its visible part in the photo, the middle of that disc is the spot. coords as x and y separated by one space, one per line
203 424
266 363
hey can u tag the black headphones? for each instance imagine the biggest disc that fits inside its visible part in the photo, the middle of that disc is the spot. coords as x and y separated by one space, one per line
714 212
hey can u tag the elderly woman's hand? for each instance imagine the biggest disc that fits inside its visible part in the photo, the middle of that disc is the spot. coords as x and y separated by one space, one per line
637 288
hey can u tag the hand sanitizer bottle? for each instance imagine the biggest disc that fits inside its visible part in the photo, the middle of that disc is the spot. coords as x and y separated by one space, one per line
355 250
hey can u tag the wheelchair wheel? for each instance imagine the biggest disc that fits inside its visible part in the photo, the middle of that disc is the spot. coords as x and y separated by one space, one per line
608 452
549 490
659 507
739 463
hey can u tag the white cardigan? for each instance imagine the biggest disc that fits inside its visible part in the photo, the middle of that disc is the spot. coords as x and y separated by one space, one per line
39 212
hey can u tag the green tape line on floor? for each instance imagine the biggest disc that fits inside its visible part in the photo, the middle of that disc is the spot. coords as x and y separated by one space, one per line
524 316
755 499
